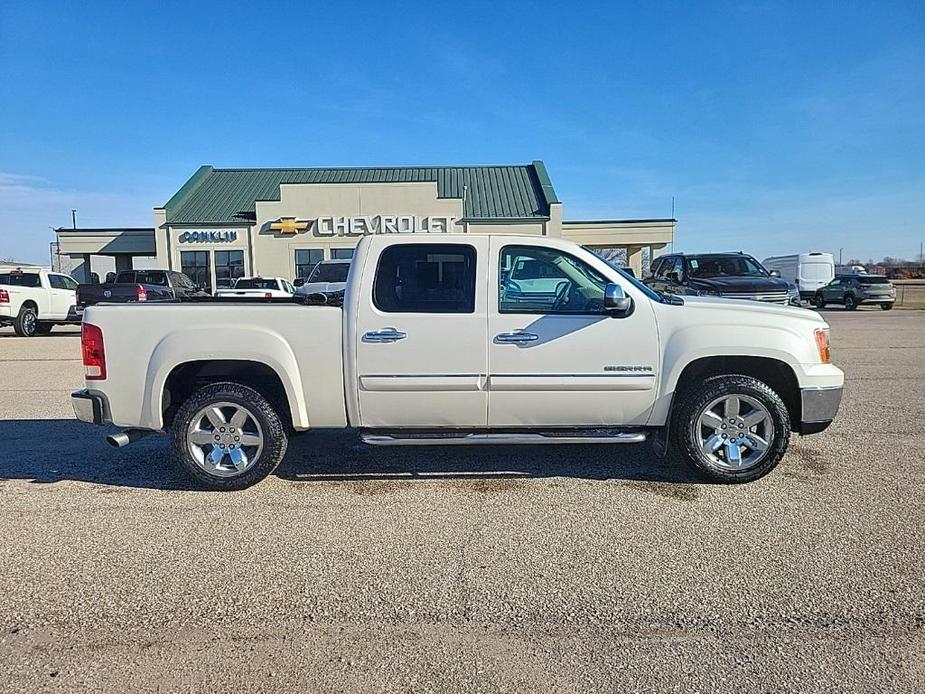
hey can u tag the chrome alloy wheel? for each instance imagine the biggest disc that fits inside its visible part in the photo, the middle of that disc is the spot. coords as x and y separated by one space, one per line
225 439
735 432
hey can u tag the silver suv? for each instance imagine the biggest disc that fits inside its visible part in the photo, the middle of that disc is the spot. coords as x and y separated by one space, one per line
855 290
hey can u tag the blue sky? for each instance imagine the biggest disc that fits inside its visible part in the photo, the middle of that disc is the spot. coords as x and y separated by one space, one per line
779 127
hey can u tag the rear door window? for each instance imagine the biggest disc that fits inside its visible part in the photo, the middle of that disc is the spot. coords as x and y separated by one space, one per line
426 278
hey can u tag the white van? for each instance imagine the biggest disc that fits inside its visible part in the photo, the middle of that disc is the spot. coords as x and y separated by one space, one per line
808 271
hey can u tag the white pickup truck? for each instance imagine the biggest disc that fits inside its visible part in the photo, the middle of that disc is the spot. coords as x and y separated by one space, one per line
435 345
33 300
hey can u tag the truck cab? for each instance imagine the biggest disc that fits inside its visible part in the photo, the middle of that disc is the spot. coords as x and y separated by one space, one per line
442 339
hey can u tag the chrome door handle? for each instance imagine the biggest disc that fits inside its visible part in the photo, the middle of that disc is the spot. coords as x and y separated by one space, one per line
516 338
384 335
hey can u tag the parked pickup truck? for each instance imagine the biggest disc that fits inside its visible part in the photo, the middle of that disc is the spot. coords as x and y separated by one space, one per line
139 285
33 300
266 287
431 347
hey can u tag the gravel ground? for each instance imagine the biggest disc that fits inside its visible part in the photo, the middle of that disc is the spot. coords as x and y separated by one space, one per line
495 569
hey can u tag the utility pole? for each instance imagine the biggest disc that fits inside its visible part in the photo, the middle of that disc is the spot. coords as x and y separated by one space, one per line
839 255
74 219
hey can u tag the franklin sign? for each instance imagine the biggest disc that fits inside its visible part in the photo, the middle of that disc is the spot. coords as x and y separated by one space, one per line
364 225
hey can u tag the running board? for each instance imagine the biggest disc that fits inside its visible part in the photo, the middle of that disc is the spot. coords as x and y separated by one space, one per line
498 439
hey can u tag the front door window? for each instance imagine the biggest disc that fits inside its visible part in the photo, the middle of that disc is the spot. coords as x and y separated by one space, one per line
544 280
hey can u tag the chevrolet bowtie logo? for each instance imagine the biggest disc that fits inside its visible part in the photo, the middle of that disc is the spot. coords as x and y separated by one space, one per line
288 225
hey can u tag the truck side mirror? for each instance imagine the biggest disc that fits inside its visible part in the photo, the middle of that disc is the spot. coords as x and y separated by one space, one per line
774 273
615 300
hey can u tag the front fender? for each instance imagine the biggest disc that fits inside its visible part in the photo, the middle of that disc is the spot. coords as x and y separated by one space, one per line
688 344
250 343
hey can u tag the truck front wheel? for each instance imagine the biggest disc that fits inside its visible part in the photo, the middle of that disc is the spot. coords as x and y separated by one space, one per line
227 436
730 429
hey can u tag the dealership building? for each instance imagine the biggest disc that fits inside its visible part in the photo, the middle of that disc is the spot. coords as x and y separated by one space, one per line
228 223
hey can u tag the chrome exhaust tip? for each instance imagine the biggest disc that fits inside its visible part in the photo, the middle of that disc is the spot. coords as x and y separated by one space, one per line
124 438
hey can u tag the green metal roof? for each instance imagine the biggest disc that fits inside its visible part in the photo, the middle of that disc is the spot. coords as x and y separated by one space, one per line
224 196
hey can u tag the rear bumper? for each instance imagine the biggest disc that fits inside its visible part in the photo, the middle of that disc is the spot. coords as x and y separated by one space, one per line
90 407
877 300
818 406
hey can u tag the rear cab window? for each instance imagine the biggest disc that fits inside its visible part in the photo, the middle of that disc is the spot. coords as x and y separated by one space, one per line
426 278
21 279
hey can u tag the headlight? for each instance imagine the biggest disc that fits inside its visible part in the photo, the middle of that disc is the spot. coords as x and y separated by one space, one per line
822 345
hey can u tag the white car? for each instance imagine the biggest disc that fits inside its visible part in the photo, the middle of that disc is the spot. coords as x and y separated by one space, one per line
328 276
33 300
430 348
267 287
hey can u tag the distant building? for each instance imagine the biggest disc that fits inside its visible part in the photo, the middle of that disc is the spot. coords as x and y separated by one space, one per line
227 223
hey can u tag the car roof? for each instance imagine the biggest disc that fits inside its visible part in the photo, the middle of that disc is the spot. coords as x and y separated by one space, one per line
719 254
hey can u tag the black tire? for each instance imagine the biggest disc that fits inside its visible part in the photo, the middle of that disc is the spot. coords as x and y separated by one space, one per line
43 328
886 307
271 425
850 302
818 301
26 322
685 427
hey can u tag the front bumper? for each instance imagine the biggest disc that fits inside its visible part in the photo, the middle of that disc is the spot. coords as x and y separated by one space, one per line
819 407
90 406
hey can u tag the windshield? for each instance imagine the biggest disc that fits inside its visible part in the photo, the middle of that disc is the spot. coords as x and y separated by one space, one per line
255 283
334 272
644 288
724 266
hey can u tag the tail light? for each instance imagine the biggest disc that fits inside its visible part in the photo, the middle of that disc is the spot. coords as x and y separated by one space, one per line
822 345
4 296
94 354
141 294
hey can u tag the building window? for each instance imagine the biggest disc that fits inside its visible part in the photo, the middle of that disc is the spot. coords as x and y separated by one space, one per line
425 278
342 253
195 265
229 266
305 261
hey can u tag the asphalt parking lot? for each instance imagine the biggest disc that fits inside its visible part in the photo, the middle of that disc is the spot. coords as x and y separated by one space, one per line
495 569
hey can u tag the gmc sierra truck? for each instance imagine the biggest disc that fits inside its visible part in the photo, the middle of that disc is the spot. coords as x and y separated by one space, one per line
438 343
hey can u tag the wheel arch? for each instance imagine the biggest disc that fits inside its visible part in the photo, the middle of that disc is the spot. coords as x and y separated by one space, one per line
188 377
263 360
777 374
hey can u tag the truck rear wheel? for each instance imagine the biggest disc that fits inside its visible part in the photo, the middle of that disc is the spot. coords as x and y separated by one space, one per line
730 429
227 436
26 322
